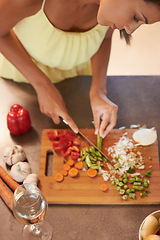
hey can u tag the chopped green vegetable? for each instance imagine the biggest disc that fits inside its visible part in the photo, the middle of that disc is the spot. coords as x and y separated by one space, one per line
133 190
116 166
99 141
137 184
120 184
131 170
141 194
122 191
125 176
118 188
138 179
85 165
124 197
128 191
132 195
125 187
145 182
120 179
125 180
132 180
148 174
139 188
98 154
117 181
113 182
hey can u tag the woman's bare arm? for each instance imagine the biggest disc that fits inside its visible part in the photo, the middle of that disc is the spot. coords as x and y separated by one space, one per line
104 111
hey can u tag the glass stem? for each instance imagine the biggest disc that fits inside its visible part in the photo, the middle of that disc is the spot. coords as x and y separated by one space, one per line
36 228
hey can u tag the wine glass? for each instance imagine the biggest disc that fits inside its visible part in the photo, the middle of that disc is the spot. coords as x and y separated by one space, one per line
30 207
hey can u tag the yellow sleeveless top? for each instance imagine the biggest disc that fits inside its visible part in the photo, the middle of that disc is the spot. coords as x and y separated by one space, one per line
57 53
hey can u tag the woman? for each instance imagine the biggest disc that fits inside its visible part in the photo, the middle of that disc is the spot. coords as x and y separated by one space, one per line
47 41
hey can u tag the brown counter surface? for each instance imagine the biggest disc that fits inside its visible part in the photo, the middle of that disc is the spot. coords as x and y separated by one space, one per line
138 99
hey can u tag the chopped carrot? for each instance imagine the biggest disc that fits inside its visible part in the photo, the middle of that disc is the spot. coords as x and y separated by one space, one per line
66 167
70 162
92 172
79 165
6 194
59 177
64 173
103 187
73 172
8 179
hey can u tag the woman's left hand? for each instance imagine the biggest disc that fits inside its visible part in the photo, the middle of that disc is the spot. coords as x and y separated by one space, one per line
104 113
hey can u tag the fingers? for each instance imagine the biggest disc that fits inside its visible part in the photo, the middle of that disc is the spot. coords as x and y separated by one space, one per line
96 123
68 121
108 122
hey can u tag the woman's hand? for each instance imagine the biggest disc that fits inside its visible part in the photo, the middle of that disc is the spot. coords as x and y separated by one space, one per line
51 103
104 113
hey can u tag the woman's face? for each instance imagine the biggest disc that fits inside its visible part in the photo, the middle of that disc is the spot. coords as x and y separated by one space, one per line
127 14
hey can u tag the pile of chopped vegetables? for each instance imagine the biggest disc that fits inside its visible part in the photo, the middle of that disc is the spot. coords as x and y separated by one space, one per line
126 159
65 142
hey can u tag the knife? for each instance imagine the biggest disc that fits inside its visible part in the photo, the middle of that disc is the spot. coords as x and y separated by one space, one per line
88 141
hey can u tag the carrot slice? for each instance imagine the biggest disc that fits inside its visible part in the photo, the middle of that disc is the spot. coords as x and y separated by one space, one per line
8 179
92 172
70 162
79 165
59 177
66 167
73 172
103 187
64 173
6 194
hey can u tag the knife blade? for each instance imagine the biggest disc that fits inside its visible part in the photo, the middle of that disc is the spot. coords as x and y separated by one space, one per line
92 144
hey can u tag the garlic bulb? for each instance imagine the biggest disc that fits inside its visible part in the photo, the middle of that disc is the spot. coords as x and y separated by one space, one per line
20 171
31 179
14 154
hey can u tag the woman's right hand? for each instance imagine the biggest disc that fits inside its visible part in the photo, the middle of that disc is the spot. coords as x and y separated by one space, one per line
51 103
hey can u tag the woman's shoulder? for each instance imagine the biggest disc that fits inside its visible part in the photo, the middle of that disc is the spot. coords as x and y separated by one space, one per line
13 11
31 5
28 6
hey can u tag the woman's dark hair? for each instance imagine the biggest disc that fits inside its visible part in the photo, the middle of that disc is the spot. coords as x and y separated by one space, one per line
156 2
125 35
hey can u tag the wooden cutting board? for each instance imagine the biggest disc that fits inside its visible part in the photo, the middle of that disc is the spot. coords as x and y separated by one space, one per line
85 190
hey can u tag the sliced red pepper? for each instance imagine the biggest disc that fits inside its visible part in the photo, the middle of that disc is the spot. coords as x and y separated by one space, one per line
66 152
63 142
76 141
70 136
75 155
75 149
52 135
55 145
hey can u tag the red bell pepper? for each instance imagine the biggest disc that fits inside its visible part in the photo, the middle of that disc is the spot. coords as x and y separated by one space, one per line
66 142
66 152
75 149
52 135
76 141
18 120
75 155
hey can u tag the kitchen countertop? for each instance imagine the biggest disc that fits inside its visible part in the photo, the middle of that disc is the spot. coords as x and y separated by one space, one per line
138 99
